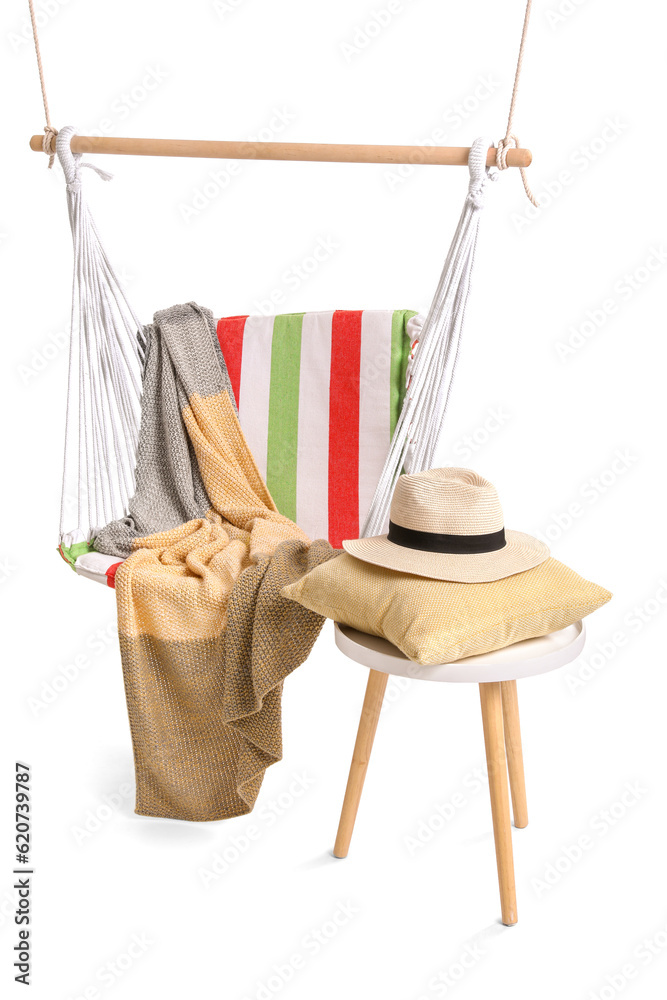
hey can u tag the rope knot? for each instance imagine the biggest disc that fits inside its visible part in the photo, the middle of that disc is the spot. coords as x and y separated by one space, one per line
476 197
49 143
511 141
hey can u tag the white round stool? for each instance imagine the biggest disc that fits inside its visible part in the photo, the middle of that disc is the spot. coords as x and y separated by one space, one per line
497 674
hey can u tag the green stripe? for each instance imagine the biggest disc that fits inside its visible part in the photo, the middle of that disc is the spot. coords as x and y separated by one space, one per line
71 554
284 412
400 353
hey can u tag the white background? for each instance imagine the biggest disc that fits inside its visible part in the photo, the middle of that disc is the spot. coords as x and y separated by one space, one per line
564 422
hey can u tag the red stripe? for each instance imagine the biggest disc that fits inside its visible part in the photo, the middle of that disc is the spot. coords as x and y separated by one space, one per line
230 337
111 574
344 427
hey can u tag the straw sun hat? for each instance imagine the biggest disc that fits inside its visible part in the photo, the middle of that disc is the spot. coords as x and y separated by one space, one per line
447 524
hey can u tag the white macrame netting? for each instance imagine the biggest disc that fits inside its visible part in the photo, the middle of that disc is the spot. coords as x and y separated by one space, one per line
104 380
431 372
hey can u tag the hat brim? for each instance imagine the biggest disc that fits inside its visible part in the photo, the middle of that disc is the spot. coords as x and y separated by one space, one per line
520 553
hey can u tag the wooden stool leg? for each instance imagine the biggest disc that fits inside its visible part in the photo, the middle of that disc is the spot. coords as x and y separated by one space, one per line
514 752
370 713
494 741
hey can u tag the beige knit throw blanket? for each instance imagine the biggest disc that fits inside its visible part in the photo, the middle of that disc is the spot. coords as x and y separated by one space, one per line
206 639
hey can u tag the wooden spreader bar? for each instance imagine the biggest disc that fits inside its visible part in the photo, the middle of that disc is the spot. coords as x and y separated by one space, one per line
454 156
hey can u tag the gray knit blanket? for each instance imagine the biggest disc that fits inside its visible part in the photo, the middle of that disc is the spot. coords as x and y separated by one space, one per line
182 356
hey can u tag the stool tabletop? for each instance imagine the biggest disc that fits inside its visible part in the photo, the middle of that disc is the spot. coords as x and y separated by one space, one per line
521 659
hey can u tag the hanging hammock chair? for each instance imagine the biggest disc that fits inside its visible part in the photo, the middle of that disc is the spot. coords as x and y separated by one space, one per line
393 427
104 391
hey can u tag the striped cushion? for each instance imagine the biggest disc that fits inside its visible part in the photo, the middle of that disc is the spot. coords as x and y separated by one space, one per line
319 395
98 567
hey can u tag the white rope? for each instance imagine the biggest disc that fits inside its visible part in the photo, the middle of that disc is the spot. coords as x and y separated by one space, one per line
432 371
104 381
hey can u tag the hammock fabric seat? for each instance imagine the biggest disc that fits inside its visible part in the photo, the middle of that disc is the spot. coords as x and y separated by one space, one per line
99 567
319 395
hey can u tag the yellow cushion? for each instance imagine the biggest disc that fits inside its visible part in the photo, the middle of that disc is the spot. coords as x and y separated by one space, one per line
438 621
